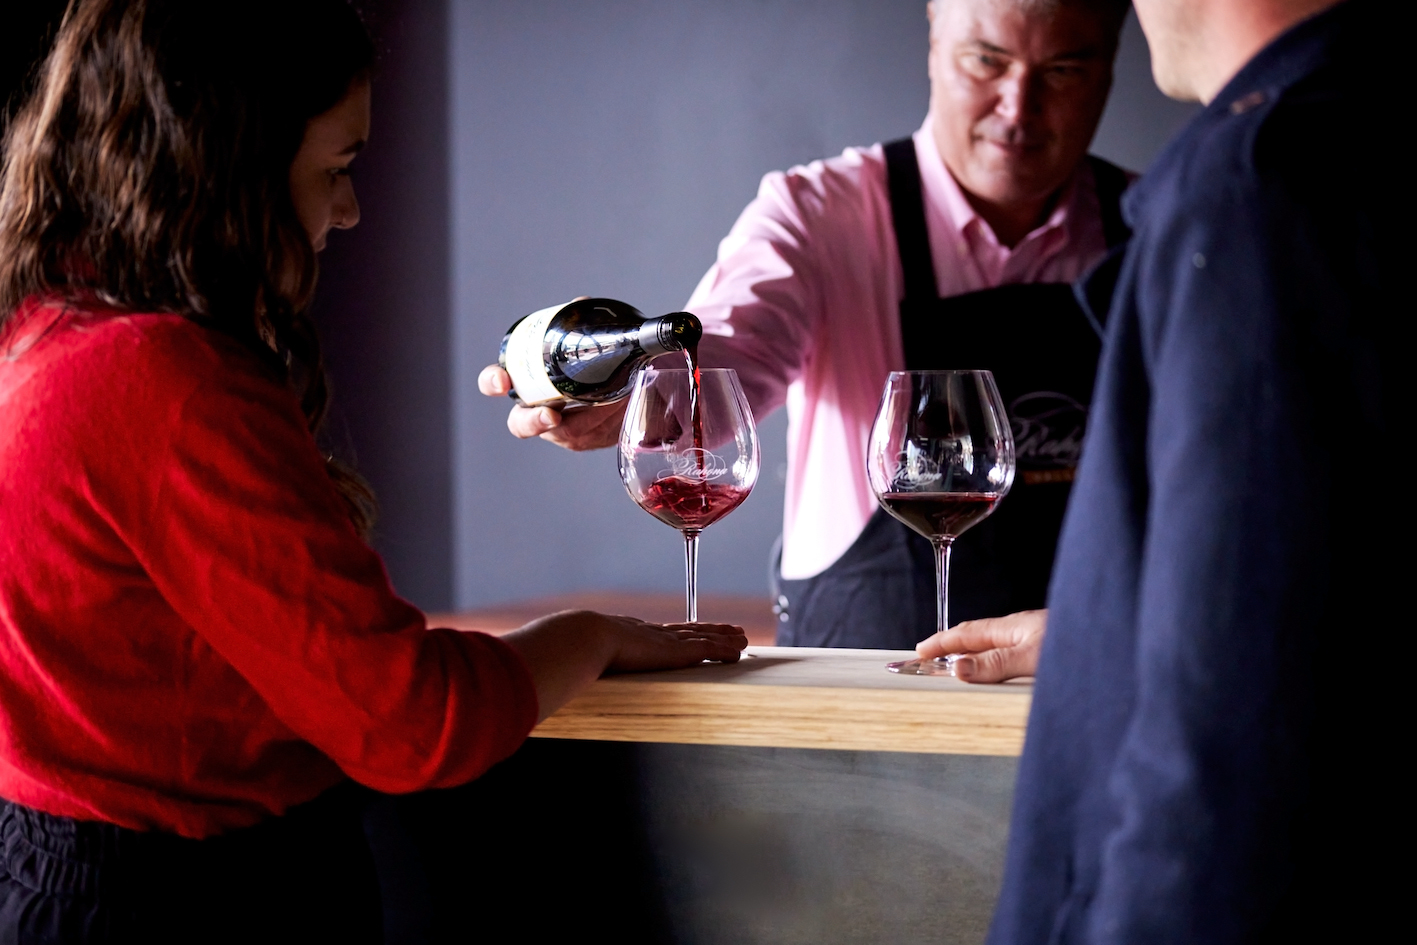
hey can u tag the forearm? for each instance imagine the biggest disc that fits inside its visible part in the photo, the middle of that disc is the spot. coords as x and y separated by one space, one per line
565 652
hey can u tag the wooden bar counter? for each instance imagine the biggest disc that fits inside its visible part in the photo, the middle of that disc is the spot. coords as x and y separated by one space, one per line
798 796
801 698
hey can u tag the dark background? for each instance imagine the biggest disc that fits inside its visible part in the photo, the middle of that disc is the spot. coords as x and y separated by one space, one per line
525 153
26 27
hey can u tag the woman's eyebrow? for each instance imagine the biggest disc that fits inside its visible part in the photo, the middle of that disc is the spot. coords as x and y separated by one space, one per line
354 147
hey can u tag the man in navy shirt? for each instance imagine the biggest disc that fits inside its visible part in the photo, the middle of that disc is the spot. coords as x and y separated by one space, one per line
1194 771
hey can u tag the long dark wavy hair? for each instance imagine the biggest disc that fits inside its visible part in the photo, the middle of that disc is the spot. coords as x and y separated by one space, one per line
150 171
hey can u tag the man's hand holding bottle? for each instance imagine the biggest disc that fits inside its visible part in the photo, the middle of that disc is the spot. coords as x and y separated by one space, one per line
569 367
575 428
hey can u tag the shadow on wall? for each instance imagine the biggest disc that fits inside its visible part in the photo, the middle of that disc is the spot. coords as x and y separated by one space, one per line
527 153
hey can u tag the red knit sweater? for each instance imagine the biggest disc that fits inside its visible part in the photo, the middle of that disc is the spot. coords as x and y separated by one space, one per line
192 635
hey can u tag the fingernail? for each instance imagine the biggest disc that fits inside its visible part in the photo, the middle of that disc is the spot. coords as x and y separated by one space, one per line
964 667
547 418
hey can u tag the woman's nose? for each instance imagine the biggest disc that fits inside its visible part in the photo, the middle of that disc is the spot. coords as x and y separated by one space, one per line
346 209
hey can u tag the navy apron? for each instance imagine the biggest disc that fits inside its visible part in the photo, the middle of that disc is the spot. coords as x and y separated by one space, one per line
1043 348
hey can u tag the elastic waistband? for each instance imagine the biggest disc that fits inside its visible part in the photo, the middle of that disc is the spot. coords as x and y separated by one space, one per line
59 854
62 855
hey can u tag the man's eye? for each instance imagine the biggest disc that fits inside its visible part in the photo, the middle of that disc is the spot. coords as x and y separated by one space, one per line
983 64
1064 75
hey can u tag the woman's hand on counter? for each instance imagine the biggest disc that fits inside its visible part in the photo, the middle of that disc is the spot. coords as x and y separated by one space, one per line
993 649
567 651
574 428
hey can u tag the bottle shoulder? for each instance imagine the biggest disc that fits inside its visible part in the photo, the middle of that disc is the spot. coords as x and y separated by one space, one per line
596 315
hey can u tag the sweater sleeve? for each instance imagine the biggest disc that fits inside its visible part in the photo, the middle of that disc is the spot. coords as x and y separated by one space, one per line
250 544
1256 382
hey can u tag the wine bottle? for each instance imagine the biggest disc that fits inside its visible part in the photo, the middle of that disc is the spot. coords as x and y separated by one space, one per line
586 352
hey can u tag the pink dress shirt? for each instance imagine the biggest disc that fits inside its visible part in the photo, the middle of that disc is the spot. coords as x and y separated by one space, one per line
804 302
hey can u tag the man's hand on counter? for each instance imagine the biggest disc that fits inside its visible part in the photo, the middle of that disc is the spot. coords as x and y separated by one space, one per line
993 649
575 428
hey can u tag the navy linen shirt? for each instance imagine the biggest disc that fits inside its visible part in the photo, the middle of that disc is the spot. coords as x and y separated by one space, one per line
1194 772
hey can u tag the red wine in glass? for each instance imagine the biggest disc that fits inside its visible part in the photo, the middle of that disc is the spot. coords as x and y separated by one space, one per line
940 458
685 502
940 515
688 453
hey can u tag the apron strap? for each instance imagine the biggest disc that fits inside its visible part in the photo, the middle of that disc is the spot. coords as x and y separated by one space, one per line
908 217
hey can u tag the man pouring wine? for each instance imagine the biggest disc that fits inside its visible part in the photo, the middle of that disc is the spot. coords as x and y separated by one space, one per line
951 249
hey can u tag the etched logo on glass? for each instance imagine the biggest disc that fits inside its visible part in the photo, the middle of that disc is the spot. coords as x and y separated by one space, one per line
694 463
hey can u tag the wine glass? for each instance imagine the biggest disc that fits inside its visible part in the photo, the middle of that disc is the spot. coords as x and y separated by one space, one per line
941 456
688 453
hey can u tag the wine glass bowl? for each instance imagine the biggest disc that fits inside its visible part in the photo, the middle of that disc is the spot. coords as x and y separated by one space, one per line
940 458
688 453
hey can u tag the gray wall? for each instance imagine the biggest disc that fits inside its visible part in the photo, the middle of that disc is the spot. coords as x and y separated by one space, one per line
598 148
384 301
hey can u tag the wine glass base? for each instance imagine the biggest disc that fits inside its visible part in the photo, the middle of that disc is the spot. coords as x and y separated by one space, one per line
944 666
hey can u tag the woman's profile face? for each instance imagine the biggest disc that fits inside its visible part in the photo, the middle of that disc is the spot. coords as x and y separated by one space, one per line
320 186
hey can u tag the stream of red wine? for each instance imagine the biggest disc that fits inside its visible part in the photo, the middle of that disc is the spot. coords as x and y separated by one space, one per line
696 420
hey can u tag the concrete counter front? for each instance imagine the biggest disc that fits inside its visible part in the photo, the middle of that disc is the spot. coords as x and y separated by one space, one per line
799 796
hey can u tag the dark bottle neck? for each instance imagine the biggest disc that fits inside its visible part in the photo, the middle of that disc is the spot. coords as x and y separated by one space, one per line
673 332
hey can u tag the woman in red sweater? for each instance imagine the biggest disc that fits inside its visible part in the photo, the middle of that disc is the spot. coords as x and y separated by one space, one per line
198 649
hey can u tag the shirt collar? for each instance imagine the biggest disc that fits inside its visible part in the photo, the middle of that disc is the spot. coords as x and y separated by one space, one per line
938 185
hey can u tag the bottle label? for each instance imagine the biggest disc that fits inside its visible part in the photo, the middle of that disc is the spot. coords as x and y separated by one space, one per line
526 362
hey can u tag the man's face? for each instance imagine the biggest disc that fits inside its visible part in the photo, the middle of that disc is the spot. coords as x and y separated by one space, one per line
1016 92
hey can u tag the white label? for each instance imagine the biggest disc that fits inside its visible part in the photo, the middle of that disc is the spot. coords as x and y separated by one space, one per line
525 362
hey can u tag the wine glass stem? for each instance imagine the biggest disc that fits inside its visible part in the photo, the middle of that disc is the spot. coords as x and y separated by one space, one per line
942 585
691 576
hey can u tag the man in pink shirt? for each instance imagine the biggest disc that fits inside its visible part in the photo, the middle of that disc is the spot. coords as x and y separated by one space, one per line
951 249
